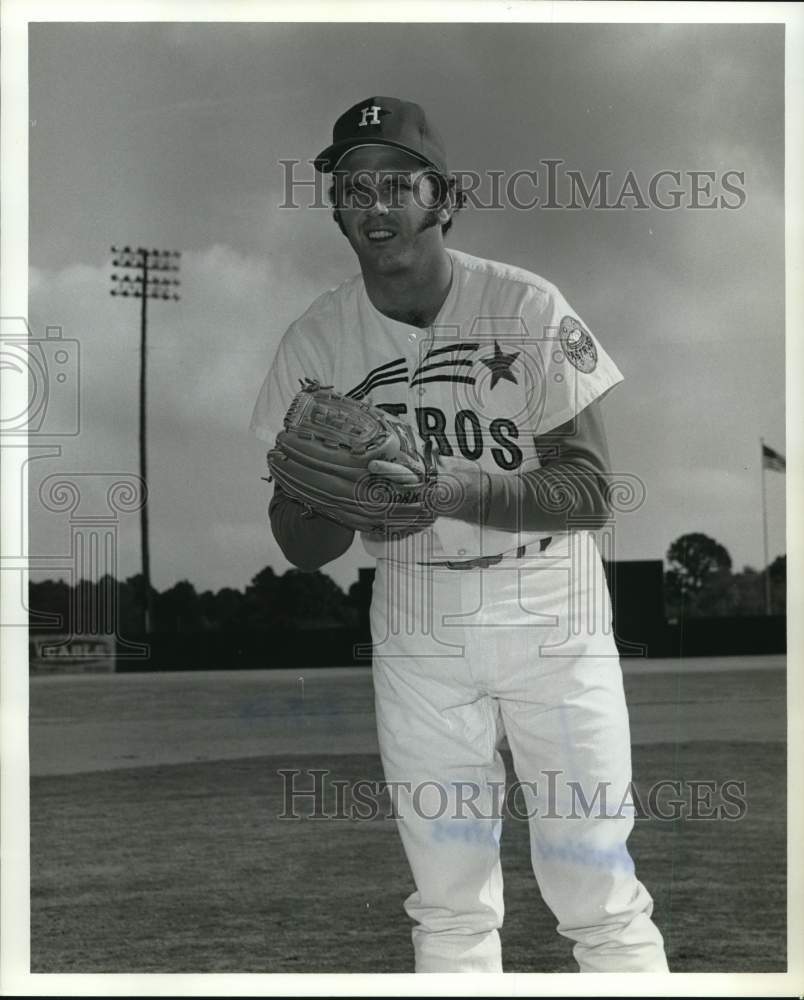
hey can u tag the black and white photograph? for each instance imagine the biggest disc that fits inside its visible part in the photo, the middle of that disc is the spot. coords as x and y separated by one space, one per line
401 456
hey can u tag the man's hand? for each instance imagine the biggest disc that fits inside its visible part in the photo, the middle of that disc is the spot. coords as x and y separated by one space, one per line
458 486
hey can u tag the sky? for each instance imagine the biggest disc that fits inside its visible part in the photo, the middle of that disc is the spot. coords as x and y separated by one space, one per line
171 136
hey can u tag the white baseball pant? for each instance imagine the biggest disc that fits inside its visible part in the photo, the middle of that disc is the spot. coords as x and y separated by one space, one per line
525 646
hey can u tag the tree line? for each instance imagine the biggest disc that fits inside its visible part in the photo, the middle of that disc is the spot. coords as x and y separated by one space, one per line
699 582
294 600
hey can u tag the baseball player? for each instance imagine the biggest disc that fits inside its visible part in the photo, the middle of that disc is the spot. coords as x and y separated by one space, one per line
492 618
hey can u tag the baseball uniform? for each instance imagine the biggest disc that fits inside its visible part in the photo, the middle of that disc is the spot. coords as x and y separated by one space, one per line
485 629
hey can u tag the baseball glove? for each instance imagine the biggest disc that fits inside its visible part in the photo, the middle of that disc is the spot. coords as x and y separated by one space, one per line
328 453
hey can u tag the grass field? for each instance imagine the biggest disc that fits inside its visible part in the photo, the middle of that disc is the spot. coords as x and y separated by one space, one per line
184 867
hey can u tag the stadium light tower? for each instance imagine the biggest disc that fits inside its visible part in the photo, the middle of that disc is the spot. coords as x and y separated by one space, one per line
145 278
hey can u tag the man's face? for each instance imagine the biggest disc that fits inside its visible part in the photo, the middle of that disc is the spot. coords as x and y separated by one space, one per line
386 204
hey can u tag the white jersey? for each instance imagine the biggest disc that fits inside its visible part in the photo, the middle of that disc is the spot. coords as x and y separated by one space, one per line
506 360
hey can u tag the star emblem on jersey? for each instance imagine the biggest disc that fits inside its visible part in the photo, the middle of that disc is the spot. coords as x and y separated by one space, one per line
499 364
578 345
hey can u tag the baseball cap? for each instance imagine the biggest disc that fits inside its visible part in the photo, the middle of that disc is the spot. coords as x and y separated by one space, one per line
384 121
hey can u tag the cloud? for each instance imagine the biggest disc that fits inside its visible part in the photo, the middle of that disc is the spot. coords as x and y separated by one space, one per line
206 359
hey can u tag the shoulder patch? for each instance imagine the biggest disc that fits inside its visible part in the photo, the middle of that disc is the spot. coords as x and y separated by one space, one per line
578 345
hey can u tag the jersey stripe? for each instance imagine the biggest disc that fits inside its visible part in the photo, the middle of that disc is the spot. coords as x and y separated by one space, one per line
467 363
385 380
451 347
380 369
469 379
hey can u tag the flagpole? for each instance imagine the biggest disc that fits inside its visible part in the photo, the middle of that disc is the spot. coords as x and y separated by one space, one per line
765 527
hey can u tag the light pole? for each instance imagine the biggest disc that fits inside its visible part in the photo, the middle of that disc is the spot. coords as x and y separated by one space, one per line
144 280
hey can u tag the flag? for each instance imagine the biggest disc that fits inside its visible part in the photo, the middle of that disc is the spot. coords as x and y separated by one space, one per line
772 459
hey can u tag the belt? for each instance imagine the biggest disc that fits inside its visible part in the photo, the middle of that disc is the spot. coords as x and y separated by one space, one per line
482 562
